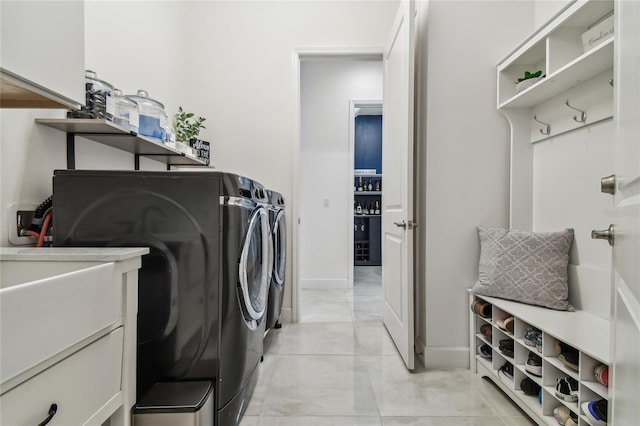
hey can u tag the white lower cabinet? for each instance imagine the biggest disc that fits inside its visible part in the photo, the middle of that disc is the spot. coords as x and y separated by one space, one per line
68 335
80 385
586 333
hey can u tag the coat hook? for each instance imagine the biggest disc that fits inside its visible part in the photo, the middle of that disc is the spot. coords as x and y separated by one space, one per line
583 114
611 82
547 130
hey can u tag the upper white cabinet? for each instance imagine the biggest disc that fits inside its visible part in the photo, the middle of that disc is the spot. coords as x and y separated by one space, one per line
557 50
42 54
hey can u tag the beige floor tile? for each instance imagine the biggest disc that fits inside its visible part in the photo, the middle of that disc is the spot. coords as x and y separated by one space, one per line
425 393
319 338
326 312
501 404
314 385
373 338
249 420
319 421
260 393
366 310
441 421
518 421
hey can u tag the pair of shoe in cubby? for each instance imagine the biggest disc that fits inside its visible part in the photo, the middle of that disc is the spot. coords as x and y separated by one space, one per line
577 381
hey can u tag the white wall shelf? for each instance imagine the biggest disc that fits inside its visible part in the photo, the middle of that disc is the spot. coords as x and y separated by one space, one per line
108 133
590 64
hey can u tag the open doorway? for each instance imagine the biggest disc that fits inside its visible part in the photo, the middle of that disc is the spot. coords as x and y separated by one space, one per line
328 87
366 142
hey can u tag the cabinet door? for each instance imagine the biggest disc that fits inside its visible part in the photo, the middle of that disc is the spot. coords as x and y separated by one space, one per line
43 43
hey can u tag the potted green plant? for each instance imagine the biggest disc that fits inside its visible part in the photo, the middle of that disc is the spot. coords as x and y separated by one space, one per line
187 127
528 80
187 130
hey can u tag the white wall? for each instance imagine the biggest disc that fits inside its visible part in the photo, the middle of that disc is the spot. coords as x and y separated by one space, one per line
241 61
327 87
547 9
466 160
231 62
113 41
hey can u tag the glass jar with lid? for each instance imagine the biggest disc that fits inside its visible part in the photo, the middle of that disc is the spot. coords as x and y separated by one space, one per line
153 118
126 112
99 96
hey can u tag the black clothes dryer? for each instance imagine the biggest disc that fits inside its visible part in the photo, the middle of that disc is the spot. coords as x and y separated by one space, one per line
279 241
202 291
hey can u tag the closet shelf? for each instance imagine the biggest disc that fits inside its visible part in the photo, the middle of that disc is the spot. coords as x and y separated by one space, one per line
367 192
590 64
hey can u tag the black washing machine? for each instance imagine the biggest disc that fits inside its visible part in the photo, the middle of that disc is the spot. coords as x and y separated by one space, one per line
202 289
279 241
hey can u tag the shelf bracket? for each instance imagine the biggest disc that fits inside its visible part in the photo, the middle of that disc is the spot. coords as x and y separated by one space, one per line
71 151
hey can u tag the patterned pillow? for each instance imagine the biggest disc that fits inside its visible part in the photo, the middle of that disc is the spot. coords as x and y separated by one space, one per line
528 267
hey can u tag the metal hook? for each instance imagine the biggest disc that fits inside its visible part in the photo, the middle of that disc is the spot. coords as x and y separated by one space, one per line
611 82
544 132
583 114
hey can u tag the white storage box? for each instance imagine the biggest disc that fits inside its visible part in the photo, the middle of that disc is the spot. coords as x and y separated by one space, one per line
598 34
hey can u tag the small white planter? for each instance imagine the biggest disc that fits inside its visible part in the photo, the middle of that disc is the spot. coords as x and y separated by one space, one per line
527 83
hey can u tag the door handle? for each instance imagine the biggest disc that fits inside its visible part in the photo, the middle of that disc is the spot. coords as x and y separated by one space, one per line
606 234
608 184
406 224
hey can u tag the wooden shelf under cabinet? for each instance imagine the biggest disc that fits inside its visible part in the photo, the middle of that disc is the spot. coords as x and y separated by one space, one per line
111 134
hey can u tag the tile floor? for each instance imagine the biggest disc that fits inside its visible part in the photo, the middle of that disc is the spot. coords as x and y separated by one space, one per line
338 366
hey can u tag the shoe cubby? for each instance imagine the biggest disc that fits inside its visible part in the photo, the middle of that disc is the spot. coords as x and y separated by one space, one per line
498 318
588 365
550 379
551 355
579 330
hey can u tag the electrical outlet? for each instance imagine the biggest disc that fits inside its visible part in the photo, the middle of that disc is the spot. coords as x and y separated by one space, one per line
20 216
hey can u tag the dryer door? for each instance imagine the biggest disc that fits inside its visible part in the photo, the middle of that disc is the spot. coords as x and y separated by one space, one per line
254 268
280 247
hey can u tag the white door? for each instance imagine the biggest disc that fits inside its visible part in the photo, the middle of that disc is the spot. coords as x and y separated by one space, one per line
397 190
624 408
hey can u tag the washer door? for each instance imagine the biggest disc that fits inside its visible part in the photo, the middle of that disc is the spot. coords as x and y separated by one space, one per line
280 247
254 269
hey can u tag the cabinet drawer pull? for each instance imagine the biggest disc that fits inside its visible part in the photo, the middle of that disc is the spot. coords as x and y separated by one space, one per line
52 412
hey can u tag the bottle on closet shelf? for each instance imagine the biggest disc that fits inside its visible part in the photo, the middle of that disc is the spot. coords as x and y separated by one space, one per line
378 185
369 186
377 210
365 209
360 184
359 208
363 226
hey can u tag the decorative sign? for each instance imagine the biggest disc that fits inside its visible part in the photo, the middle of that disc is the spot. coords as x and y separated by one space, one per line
203 148
364 172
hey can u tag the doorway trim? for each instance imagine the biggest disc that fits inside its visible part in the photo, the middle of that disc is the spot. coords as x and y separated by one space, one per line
298 54
353 104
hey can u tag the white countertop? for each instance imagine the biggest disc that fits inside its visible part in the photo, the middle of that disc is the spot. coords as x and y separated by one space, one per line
91 254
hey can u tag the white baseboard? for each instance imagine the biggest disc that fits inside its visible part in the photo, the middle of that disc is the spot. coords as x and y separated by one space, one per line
446 357
286 315
321 284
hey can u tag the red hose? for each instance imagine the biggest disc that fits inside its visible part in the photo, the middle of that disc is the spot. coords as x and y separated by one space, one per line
33 234
43 231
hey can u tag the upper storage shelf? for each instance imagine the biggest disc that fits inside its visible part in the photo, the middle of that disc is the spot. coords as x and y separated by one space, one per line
557 50
108 133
